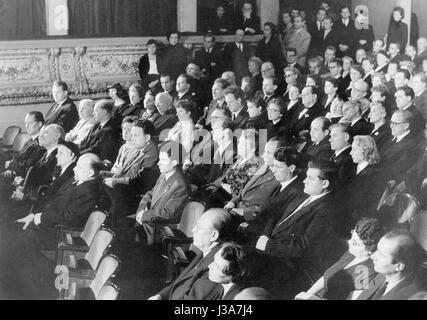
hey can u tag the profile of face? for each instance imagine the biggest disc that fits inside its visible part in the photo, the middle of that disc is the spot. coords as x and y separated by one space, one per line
377 97
217 267
314 67
269 150
85 111
166 83
126 131
329 89
367 66
99 114
338 139
134 96
345 13
421 44
356 153
398 125
64 156
383 258
381 60
31 125
233 104
336 107
417 85
174 39
220 11
281 171
308 98
162 105
83 170
356 246
402 100
138 137
313 184
204 234
293 93
375 114
149 102
346 64
317 133
58 93
349 112
152 49
360 55
181 85
113 93
267 32
183 115
267 70
192 70
273 112
253 109
286 18
48 137
217 91
166 164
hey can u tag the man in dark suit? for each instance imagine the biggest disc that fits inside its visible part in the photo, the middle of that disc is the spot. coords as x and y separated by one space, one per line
310 109
31 152
345 33
402 152
167 118
168 85
319 146
352 114
419 85
234 97
64 111
248 21
397 260
193 283
300 238
268 93
341 139
330 36
184 89
316 31
381 131
71 205
421 53
404 101
103 139
236 56
210 59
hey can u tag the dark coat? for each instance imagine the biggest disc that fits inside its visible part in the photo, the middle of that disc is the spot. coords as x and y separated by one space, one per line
27 157
271 52
210 63
362 128
236 60
66 115
345 165
381 136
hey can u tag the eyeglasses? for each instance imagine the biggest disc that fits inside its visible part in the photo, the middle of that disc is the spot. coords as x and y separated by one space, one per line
392 123
289 75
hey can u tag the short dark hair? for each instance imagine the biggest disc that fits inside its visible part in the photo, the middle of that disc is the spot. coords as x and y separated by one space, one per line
238 267
370 231
107 105
289 156
236 92
61 84
210 35
400 10
405 72
272 27
327 171
151 41
333 81
168 34
280 103
146 126
331 48
71 146
408 91
314 90
345 127
326 123
129 119
186 104
408 251
224 83
166 75
37 115
292 49
337 61
186 77
175 151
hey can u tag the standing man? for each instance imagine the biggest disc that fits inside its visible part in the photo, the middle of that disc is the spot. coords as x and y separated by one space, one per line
236 56
209 59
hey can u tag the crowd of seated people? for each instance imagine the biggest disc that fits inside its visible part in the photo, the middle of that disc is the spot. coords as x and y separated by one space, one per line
290 148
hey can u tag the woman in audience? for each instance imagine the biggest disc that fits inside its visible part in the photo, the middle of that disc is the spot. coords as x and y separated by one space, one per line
397 29
150 112
269 48
136 106
313 80
360 55
85 124
335 113
276 112
149 68
174 59
248 88
368 65
356 73
258 118
294 102
254 66
354 271
229 268
183 131
347 63
286 23
236 176
121 102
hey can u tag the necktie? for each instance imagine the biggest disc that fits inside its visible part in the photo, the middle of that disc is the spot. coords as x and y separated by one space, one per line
265 98
380 292
234 117
302 205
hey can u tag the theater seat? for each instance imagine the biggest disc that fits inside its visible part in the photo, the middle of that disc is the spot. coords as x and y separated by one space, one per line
9 136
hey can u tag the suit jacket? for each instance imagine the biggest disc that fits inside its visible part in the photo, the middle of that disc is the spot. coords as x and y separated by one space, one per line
253 22
237 60
43 171
402 291
27 157
421 104
240 121
73 203
298 124
166 200
301 239
205 119
211 63
259 95
362 128
345 165
316 45
381 136
419 59
319 151
345 35
66 115
271 52
187 286
103 142
299 40
256 191
419 122
61 180
331 39
144 67
165 121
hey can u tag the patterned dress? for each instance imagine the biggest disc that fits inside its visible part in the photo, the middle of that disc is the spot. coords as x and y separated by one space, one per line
240 173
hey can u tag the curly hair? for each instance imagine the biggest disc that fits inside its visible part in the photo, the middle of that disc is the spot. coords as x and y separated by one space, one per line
370 231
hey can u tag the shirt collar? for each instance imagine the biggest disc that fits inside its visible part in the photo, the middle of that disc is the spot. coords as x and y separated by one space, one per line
337 153
399 138
361 166
355 120
287 183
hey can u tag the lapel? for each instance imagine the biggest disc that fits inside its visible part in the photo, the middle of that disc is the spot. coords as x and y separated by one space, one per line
261 176
291 208
391 295
373 286
30 144
162 188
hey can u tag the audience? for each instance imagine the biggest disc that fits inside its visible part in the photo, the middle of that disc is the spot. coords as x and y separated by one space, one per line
82 129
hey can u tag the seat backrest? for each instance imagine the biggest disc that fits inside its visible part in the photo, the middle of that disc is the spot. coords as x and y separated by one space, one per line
93 224
108 292
192 212
10 135
419 228
407 208
20 141
106 269
97 248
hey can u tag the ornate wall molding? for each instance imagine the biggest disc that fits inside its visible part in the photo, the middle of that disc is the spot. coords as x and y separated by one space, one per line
28 68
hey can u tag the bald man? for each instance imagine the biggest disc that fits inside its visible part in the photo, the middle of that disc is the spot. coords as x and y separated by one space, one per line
168 117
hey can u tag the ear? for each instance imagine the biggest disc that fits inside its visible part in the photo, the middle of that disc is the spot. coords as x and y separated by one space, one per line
325 184
400 266
292 168
174 163
275 87
214 235
91 173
